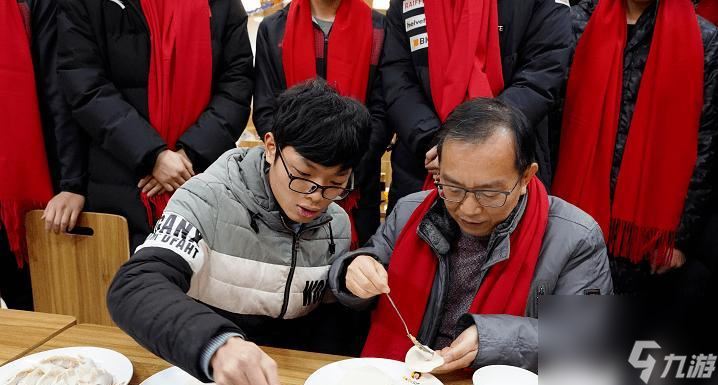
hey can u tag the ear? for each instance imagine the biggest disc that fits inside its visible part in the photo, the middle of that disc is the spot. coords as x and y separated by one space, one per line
270 147
526 178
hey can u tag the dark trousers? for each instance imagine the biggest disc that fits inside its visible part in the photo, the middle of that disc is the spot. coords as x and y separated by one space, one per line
15 286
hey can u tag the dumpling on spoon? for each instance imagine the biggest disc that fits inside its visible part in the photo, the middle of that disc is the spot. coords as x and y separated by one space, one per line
420 361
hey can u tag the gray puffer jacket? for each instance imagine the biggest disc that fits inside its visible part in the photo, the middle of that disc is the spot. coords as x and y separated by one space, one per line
572 260
224 259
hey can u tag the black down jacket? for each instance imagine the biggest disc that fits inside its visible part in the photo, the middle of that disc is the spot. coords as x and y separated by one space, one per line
635 57
104 55
535 40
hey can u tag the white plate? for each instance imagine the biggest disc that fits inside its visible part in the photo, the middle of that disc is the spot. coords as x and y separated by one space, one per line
113 362
504 374
173 376
396 370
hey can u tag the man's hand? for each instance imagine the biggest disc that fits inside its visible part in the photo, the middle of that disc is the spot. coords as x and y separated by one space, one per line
62 211
678 260
239 362
150 186
461 353
172 169
431 161
366 277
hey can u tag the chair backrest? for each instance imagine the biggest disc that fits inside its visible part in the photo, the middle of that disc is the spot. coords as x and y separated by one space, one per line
71 272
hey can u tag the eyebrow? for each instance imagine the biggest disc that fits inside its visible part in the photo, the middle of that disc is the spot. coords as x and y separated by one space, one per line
313 167
490 185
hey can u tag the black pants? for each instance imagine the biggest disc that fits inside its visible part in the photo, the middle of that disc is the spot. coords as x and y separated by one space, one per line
15 286
691 280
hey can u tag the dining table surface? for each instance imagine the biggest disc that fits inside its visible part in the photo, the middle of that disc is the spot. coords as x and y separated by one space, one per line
294 366
23 331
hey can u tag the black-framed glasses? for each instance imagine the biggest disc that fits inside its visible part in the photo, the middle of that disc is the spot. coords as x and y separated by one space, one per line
486 198
306 186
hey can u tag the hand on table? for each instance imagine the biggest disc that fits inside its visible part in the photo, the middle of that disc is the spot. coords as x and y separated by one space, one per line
461 353
62 211
239 362
366 277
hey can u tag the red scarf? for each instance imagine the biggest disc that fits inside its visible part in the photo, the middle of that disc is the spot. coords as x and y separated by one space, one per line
348 52
709 10
661 148
24 175
180 77
348 59
412 270
464 54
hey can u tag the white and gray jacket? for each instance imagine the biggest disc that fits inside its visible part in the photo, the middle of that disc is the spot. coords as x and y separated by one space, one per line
224 259
572 260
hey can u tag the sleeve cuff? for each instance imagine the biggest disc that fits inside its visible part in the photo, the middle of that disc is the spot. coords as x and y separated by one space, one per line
212 346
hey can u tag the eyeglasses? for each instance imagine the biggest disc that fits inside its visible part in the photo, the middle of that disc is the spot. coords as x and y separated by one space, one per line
486 198
306 186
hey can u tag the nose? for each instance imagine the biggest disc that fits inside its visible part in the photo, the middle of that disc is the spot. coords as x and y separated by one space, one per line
471 206
315 197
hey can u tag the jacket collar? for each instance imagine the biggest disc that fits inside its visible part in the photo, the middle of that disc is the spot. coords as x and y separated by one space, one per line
440 231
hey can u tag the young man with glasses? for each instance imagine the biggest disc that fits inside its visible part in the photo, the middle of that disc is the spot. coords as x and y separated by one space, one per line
466 262
242 252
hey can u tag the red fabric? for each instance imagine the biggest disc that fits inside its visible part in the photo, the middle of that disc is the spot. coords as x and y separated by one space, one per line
348 53
464 52
505 289
709 10
24 176
348 57
180 76
350 203
661 148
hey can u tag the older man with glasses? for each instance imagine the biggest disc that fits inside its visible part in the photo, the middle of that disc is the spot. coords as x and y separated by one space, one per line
466 262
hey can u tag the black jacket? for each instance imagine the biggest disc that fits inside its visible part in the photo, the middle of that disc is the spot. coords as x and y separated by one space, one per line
271 82
535 39
104 54
65 143
635 58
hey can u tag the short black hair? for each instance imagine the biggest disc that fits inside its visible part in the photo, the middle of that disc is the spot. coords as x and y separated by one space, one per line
478 119
322 126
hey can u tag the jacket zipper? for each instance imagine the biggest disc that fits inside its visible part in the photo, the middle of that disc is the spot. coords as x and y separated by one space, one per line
540 290
290 277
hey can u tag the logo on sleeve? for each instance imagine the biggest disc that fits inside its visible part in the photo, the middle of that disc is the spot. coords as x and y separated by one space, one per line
415 22
175 233
420 41
410 5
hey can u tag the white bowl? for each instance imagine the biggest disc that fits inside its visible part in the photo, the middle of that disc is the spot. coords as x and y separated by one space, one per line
504 374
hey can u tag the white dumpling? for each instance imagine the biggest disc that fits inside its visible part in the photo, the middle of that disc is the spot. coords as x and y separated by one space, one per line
419 361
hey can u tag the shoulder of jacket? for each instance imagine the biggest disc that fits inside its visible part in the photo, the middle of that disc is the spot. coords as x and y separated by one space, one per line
562 212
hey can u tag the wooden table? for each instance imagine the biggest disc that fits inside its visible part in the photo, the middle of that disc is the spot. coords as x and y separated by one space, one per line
23 331
294 366
144 363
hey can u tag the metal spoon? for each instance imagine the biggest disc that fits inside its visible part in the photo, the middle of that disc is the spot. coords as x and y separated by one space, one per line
413 339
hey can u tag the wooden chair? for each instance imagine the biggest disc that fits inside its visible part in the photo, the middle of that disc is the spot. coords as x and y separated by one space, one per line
71 272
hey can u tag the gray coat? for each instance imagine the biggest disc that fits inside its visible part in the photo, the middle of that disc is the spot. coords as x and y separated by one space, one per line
572 260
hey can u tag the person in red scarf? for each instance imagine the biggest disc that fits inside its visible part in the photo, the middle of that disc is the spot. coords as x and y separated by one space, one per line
465 263
340 41
633 154
439 53
34 163
161 87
